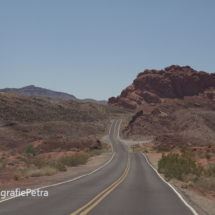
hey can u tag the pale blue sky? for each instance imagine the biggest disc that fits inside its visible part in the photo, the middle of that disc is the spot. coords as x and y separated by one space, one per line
96 48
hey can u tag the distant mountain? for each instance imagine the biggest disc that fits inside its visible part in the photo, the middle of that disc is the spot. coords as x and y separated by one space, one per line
42 92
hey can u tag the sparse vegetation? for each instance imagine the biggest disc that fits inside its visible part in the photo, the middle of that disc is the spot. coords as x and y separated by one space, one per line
16 176
30 149
2 164
175 166
207 183
208 156
48 170
185 169
35 173
74 160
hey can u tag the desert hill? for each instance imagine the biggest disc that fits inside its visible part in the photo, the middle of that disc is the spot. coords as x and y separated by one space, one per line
154 86
35 117
176 100
56 128
42 92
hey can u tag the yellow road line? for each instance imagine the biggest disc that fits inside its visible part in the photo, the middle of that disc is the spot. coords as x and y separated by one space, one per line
99 200
107 190
115 132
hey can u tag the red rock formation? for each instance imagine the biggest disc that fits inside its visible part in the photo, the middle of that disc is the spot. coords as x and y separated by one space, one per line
153 86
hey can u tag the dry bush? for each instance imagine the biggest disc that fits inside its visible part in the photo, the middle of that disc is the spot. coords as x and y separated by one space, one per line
207 183
74 160
2 164
16 176
39 161
12 152
201 155
188 177
18 156
48 170
35 173
106 147
24 172
208 156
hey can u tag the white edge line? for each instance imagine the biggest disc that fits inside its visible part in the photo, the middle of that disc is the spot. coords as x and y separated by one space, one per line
53 185
179 195
120 139
109 135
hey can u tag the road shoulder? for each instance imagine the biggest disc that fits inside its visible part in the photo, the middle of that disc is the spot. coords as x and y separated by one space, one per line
201 204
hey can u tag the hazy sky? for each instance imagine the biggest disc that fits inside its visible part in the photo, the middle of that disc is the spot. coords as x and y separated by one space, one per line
96 48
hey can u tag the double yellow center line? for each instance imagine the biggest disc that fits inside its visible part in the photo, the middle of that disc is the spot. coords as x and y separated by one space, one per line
95 201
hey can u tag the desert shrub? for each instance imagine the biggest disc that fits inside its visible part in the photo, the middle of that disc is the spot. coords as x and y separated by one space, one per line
210 171
208 156
207 183
188 177
94 152
18 156
74 160
61 167
106 147
188 155
58 165
30 149
2 164
86 150
211 164
174 166
26 160
35 173
164 149
183 149
16 176
201 155
24 172
48 170
12 152
184 186
39 161
146 151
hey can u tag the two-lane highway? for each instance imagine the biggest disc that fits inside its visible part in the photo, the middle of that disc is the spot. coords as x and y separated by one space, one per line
126 185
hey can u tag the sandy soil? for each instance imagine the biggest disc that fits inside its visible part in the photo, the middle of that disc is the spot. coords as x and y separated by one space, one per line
72 172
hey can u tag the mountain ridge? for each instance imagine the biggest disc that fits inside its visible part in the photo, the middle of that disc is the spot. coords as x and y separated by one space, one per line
32 90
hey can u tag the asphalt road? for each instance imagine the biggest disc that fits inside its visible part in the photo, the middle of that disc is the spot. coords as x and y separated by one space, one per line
126 185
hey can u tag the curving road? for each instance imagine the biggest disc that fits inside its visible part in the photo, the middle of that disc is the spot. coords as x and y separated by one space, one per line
126 185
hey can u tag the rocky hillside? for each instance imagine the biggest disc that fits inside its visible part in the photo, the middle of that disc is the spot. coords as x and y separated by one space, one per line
152 87
42 92
35 117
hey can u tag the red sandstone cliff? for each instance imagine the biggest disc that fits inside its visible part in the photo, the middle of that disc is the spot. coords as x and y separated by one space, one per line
153 86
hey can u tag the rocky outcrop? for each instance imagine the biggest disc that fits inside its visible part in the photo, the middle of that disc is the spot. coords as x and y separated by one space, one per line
153 86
